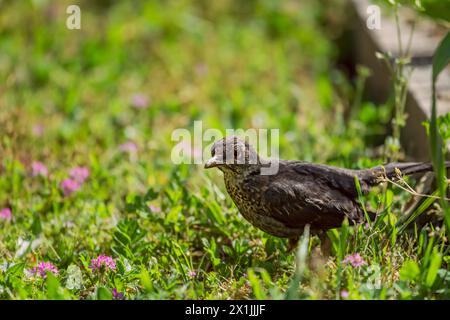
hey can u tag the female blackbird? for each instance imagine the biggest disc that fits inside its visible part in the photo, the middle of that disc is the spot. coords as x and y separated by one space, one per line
300 193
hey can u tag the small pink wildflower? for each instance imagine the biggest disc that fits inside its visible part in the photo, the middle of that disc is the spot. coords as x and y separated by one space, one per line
42 269
154 208
201 69
192 273
117 295
38 130
129 147
344 294
197 153
6 214
139 101
79 174
194 153
354 259
70 186
38 169
103 261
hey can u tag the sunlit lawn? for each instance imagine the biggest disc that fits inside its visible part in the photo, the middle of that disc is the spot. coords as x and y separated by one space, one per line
128 222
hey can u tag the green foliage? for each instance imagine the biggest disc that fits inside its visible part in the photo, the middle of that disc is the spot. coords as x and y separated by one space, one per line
173 233
435 9
441 59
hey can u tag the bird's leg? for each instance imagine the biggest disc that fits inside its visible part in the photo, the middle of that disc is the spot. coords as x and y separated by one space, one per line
325 244
292 244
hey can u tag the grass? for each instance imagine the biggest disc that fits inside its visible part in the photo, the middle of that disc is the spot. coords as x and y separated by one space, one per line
172 231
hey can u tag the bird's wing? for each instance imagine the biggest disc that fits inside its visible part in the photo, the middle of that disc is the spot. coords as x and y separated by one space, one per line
303 193
336 178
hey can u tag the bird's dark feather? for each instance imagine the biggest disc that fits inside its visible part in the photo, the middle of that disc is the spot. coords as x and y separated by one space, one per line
303 193
321 195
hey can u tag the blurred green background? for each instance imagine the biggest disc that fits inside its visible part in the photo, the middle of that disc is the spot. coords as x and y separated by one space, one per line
108 97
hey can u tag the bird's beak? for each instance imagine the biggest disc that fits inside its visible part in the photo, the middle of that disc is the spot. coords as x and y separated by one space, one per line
211 163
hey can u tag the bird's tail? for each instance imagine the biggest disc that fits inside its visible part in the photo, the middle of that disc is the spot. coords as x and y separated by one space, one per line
393 170
407 168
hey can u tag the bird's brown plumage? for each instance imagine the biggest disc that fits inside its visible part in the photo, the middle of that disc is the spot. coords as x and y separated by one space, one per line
300 193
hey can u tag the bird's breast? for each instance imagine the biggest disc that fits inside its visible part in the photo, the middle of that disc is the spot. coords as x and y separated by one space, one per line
249 202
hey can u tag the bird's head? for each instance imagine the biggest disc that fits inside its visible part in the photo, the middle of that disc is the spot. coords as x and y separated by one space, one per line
233 155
